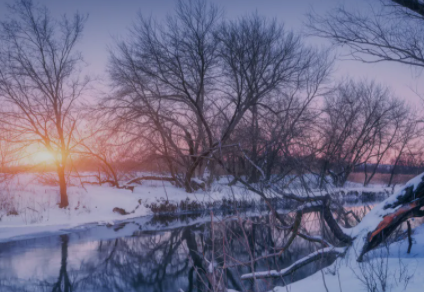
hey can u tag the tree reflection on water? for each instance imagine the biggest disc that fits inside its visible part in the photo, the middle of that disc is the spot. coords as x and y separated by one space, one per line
161 260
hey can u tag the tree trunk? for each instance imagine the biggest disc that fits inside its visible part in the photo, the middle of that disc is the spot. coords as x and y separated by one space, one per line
188 185
62 184
187 182
392 174
254 175
394 168
323 173
343 178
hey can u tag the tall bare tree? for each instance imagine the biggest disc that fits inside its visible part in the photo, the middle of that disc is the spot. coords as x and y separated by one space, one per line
39 80
389 31
184 87
163 76
358 127
264 64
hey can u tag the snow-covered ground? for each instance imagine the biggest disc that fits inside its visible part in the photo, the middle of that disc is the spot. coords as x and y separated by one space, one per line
29 207
387 268
391 267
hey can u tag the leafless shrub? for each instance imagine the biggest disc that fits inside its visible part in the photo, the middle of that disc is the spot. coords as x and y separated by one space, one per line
377 273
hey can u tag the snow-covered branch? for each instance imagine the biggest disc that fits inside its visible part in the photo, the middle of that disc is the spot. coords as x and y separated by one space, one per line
319 254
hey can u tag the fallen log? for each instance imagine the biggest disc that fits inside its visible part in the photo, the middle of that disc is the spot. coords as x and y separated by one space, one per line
195 184
319 254
396 210
157 178
374 229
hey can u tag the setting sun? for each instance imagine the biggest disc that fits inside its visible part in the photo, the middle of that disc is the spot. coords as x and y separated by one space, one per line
43 157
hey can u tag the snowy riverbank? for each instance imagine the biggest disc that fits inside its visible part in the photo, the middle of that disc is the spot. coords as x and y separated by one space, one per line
30 208
391 267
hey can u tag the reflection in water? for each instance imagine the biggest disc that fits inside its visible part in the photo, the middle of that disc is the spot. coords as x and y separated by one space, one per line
63 283
127 257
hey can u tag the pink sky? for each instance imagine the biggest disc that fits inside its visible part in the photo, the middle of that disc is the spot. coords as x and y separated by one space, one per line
111 18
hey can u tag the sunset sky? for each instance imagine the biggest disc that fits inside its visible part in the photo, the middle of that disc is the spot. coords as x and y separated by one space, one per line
109 19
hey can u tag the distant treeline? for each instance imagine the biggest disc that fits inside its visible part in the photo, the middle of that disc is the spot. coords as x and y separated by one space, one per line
388 168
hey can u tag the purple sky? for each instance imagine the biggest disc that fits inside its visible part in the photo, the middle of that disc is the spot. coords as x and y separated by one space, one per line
111 18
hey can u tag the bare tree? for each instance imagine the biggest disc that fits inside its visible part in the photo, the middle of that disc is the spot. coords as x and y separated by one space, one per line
164 77
390 131
390 30
360 123
407 143
184 87
269 72
39 80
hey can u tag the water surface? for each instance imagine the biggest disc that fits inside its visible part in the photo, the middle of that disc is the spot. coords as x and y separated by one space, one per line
160 253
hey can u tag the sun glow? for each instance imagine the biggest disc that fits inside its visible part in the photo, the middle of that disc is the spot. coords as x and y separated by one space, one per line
43 157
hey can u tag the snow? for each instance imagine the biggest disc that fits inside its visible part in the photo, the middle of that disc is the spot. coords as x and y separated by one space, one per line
39 215
373 218
405 272
287 271
345 274
36 212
